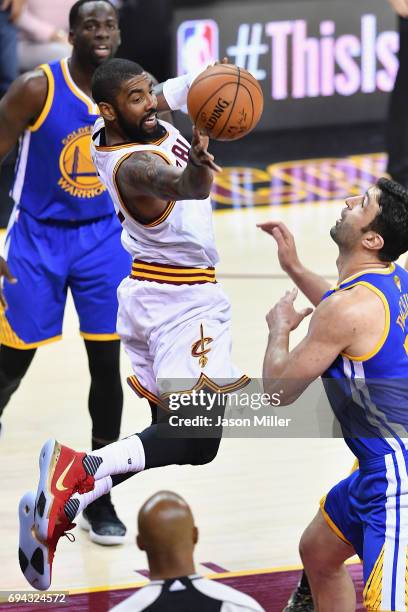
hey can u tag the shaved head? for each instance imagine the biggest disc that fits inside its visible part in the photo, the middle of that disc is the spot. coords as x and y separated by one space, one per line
166 524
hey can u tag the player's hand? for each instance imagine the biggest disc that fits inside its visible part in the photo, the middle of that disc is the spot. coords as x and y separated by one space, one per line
224 60
5 273
15 6
284 316
400 6
199 154
287 253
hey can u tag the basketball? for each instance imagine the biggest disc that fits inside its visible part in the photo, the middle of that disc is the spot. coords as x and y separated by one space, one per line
225 102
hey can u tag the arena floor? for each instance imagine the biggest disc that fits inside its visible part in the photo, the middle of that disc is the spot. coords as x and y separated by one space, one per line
252 503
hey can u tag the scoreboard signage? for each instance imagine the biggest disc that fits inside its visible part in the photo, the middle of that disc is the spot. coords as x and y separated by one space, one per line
319 62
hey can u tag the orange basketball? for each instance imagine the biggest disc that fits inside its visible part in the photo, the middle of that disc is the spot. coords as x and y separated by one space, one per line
225 102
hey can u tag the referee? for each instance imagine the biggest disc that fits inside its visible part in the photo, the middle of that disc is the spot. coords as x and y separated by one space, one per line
168 535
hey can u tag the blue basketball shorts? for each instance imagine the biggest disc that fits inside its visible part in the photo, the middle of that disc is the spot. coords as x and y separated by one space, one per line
47 258
369 510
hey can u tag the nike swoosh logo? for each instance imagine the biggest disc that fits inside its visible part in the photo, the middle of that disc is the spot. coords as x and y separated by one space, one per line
60 482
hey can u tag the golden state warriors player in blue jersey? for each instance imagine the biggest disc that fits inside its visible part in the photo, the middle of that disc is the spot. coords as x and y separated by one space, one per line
63 232
358 342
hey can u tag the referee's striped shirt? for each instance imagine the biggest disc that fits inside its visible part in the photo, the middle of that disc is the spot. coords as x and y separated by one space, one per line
188 594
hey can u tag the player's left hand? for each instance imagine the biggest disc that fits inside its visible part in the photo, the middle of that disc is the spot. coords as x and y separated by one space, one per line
5 273
284 316
199 151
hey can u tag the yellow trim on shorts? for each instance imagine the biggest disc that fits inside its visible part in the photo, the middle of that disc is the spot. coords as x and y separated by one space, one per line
48 100
9 338
331 523
99 337
176 275
372 593
386 330
356 466
204 381
141 391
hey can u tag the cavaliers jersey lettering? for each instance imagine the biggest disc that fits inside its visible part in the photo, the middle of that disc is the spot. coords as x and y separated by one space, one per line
55 176
183 234
369 393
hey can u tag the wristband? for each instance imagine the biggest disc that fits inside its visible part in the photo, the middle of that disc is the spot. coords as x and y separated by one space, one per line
175 90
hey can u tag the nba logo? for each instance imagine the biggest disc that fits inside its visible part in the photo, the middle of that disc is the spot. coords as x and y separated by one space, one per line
197 45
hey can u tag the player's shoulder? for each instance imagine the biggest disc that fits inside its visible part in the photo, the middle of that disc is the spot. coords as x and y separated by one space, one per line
237 600
140 600
33 84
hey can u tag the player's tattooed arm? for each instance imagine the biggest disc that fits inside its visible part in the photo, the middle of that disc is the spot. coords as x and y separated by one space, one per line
20 107
146 182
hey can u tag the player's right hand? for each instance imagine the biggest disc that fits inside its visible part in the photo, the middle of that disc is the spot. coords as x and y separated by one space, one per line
5 273
287 253
199 151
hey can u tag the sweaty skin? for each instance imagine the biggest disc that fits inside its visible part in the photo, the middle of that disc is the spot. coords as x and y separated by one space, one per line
351 321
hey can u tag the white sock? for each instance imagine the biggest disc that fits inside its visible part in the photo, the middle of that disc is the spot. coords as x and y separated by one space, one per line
79 502
120 457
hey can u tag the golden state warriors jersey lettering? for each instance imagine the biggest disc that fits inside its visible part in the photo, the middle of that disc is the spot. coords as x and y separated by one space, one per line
55 176
183 234
369 393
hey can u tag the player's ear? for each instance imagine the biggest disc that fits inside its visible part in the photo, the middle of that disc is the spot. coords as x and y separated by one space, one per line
107 111
373 241
139 542
195 535
71 37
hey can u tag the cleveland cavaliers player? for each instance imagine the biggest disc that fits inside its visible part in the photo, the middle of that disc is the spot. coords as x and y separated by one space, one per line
174 318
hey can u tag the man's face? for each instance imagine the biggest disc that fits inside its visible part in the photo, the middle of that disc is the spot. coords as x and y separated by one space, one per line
136 109
359 212
96 35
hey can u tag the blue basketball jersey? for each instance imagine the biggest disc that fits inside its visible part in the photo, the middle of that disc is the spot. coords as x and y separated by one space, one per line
369 394
55 177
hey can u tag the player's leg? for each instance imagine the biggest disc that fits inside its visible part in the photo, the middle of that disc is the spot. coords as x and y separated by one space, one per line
105 407
384 507
14 364
97 267
35 303
300 599
335 534
323 554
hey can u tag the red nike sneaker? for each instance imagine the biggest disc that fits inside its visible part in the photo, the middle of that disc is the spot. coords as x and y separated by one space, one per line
34 555
62 474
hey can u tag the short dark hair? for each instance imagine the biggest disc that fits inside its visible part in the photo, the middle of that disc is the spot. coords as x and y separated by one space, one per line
109 76
391 221
75 8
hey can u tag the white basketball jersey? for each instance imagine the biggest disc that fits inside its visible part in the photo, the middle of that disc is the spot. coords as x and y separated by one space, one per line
183 235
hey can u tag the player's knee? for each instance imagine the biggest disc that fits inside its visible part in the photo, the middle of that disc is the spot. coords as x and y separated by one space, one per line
205 450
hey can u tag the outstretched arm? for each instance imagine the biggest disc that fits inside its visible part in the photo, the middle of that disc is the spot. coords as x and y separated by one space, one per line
147 183
172 94
312 285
